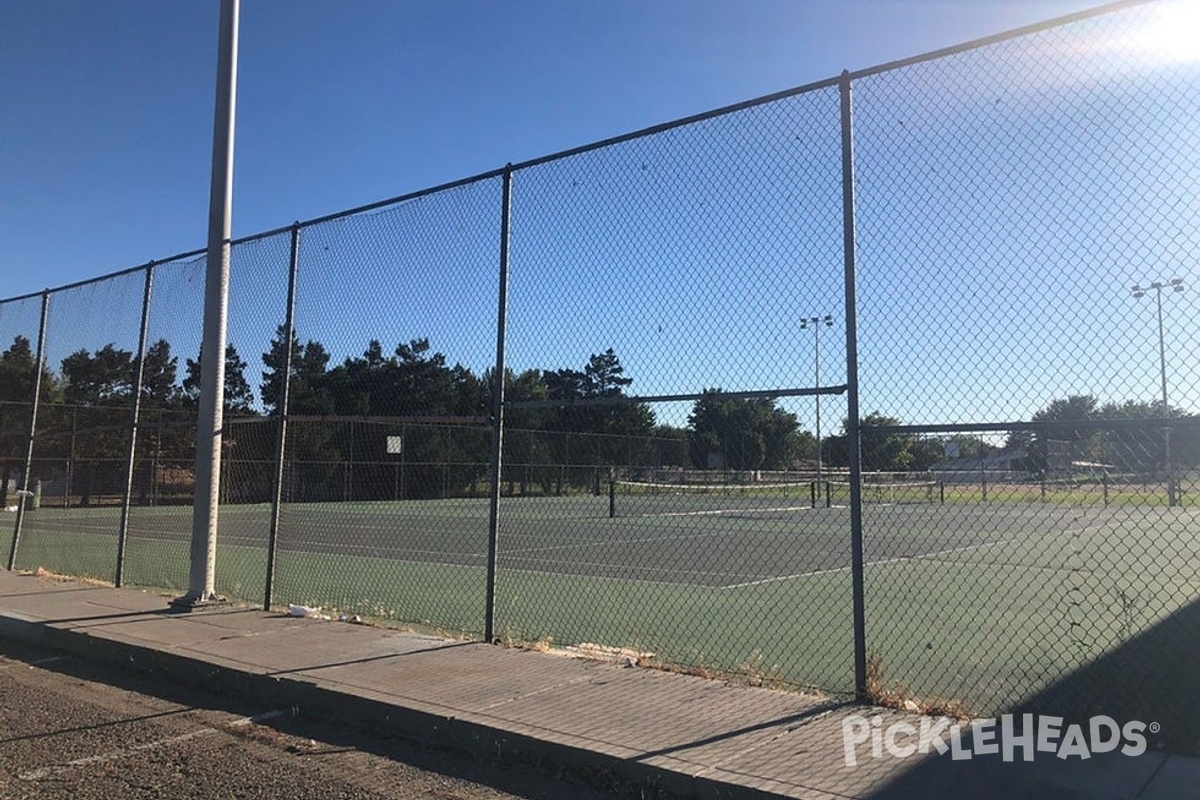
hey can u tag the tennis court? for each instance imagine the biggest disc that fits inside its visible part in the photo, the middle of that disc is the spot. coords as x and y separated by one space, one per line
723 542
954 592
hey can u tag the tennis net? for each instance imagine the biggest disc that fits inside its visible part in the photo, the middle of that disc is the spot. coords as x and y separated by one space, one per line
837 493
640 499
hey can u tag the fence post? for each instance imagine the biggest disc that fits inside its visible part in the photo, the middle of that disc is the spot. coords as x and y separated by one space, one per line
853 423
489 620
289 318
33 409
139 375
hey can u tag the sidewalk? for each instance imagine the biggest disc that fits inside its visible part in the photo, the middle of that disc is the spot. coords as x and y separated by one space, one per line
690 736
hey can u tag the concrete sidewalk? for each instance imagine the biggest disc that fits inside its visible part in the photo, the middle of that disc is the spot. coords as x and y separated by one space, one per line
686 735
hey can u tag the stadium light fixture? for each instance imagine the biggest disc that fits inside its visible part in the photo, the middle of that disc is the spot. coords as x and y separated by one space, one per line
815 324
1139 291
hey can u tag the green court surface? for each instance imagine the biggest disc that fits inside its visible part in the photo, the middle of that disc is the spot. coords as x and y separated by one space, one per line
983 603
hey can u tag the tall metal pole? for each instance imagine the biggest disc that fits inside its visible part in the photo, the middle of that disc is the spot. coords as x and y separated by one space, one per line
33 410
1162 366
202 575
489 616
139 377
853 423
281 431
817 385
1176 285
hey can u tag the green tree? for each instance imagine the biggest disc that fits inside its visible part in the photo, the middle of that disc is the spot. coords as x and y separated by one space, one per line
18 370
885 452
101 378
881 451
159 387
239 398
611 433
749 433
99 386
307 394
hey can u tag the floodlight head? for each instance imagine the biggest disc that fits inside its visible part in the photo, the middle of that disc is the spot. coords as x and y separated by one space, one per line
828 321
1138 292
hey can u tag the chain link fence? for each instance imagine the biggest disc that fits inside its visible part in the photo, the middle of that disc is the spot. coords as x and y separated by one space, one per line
883 386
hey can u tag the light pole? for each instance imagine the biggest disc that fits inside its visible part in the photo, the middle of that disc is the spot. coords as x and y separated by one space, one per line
815 324
1175 285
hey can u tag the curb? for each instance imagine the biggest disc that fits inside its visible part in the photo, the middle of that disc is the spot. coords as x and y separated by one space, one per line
478 740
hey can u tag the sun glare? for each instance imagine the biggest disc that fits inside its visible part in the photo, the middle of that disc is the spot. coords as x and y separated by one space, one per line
1174 32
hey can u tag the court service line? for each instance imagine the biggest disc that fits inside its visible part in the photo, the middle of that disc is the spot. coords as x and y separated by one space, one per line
835 570
117 755
898 559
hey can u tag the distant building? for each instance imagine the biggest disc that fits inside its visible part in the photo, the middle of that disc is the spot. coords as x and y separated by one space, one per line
999 465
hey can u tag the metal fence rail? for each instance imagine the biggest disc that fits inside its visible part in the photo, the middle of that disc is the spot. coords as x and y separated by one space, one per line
884 386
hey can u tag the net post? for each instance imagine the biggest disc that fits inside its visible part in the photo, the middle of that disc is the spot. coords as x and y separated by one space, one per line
612 499
139 377
812 492
1104 483
289 322
941 493
33 409
489 621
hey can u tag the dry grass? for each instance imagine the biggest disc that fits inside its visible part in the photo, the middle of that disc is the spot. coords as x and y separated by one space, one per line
46 574
898 696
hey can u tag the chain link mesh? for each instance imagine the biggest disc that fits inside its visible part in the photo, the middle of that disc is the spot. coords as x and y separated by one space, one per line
671 265
385 485
85 416
1009 197
19 323
160 518
677 477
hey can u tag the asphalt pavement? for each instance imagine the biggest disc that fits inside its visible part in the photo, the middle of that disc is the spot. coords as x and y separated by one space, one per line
75 729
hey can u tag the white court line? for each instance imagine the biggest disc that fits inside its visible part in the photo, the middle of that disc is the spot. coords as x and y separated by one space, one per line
721 511
899 559
625 567
117 755
836 570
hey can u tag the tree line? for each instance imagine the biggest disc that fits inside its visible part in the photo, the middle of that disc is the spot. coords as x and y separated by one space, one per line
565 427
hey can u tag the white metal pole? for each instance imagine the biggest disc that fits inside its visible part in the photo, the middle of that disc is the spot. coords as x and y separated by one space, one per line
201 576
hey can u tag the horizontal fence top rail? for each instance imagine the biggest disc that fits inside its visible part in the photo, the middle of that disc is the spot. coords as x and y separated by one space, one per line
675 398
1134 423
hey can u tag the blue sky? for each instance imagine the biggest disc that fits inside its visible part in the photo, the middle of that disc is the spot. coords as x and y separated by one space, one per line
107 120
107 111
